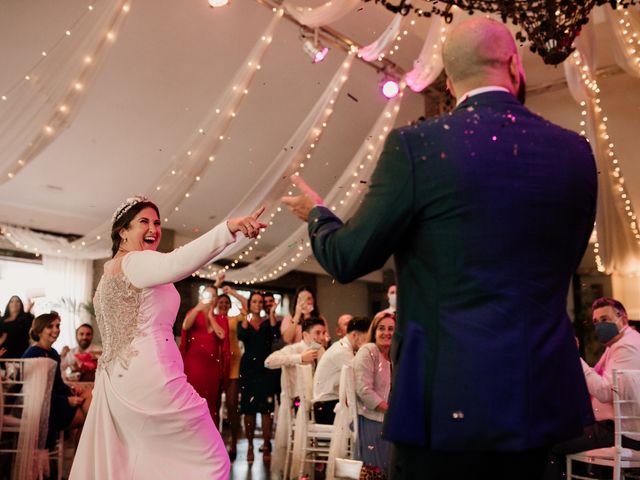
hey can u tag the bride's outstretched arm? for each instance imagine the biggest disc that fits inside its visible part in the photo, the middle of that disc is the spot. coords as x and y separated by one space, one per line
149 268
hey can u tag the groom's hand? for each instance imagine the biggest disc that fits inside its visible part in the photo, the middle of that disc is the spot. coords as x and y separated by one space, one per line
301 205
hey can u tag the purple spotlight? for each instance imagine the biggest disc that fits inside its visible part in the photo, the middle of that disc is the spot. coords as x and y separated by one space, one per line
320 54
315 51
390 87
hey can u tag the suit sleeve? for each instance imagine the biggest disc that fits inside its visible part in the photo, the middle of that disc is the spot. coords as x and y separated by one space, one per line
148 268
362 244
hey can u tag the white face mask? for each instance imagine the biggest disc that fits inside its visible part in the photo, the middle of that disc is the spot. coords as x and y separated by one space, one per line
392 300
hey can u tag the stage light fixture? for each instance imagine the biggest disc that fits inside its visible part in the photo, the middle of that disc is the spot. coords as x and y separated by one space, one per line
313 47
390 86
218 3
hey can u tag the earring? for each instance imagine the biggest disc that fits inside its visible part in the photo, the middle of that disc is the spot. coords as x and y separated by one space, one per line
125 240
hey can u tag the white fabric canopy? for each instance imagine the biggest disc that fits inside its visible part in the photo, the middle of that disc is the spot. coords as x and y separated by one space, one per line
618 248
624 24
68 284
324 14
172 185
372 51
342 199
428 65
38 108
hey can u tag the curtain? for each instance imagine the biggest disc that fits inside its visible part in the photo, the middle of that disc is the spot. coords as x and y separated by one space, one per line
68 283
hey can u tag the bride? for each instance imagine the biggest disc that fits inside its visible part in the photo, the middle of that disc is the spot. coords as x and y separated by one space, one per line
146 421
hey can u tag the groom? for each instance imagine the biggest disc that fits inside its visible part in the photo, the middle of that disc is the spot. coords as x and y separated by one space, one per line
488 211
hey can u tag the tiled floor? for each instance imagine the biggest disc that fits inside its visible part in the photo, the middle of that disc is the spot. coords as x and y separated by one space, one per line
241 470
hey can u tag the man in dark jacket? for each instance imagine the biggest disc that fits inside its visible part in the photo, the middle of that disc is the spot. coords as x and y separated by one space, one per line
488 211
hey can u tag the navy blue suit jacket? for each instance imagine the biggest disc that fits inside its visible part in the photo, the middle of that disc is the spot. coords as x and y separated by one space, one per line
488 211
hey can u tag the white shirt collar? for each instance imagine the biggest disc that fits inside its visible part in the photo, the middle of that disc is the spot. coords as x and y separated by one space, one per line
478 91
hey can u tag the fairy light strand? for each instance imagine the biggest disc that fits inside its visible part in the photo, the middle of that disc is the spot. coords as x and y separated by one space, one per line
296 248
60 115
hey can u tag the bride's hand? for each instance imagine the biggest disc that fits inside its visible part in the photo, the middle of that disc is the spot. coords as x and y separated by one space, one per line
249 226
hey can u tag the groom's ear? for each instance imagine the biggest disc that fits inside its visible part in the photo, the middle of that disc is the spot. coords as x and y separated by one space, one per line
450 89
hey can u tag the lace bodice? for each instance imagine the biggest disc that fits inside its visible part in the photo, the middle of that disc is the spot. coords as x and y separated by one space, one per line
117 305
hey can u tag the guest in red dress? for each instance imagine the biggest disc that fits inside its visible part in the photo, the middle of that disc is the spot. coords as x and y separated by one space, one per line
204 345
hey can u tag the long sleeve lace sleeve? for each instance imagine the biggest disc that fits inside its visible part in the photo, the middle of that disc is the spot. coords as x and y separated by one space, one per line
148 268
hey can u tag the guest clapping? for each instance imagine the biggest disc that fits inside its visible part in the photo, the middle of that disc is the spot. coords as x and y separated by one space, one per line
204 344
69 405
372 369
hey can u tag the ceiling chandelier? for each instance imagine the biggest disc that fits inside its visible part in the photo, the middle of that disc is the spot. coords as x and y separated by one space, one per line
550 26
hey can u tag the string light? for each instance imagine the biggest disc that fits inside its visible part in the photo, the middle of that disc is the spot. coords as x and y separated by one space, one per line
226 111
395 46
344 195
56 44
69 98
601 132
630 36
311 142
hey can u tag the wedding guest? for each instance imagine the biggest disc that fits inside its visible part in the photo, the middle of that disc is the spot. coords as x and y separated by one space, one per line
83 359
14 327
392 298
69 405
232 392
343 321
622 352
303 307
257 386
488 210
205 349
326 380
372 369
307 351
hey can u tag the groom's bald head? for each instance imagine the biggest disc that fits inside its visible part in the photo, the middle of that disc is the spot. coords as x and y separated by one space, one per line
480 52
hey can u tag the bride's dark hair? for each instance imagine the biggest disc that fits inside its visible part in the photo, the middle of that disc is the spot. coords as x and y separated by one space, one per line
124 220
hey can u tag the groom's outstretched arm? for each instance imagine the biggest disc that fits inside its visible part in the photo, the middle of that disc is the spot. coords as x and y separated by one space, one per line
365 242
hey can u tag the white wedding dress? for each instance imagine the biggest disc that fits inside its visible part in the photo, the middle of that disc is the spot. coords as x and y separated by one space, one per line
146 421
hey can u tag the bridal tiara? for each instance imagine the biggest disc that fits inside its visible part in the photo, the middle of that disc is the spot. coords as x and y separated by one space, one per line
126 205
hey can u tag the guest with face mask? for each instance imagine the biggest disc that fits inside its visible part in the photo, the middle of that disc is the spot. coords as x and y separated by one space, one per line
391 296
622 351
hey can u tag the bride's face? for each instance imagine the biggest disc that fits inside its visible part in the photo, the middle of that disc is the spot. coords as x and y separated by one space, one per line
144 231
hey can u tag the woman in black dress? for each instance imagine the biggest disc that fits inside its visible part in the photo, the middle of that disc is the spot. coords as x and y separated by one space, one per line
14 328
257 386
69 405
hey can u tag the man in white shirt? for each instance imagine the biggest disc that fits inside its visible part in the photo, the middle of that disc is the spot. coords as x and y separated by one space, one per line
308 350
622 352
69 356
326 381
